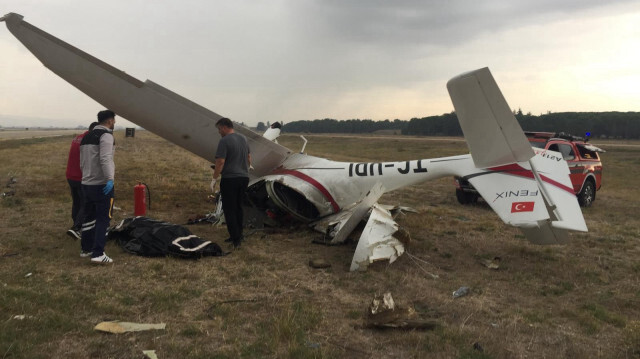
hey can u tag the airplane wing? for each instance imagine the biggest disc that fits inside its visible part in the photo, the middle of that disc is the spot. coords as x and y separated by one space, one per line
146 104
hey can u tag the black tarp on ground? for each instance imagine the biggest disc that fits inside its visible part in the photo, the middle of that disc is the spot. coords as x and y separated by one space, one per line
152 238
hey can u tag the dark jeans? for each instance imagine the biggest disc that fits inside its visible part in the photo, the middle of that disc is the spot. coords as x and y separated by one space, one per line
233 191
78 204
97 215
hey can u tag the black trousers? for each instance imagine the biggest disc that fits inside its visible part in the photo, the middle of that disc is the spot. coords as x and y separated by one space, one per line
233 191
97 215
77 208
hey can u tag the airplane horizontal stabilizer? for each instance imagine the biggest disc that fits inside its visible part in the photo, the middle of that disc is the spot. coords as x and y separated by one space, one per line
535 196
492 133
146 104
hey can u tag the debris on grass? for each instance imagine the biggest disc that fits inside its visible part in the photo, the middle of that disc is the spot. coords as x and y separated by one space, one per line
491 263
312 345
461 292
319 263
11 182
8 193
11 191
151 354
117 327
28 275
383 313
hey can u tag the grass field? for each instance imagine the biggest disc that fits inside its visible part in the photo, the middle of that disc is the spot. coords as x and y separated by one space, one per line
12 134
581 300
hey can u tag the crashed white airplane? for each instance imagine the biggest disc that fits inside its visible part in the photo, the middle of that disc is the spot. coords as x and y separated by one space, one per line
335 196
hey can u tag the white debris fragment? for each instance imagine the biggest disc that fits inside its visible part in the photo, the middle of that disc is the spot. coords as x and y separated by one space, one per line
151 354
461 292
382 304
377 241
341 224
117 327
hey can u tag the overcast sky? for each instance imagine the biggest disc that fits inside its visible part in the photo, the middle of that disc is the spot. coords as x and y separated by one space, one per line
289 60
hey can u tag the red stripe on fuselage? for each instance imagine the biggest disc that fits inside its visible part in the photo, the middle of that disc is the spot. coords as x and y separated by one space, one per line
518 170
312 182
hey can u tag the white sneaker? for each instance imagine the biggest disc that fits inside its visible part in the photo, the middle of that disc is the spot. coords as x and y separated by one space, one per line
84 254
74 234
103 259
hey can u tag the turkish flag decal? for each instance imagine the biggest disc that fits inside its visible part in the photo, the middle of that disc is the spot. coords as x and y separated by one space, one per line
522 207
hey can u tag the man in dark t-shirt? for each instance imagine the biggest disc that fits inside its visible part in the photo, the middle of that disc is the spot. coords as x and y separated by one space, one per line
233 160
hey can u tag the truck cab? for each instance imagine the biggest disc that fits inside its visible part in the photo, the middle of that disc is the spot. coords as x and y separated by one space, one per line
582 158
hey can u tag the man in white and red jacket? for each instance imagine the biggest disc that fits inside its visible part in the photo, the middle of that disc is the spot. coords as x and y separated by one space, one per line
74 177
98 172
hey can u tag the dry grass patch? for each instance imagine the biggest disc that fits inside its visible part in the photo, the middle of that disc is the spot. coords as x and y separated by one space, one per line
578 300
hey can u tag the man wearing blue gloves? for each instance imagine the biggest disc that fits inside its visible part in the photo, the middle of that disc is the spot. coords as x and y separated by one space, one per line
98 170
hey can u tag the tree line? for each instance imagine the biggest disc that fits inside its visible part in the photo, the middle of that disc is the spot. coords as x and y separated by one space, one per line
597 124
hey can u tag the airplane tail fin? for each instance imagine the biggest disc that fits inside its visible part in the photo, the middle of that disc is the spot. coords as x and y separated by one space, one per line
492 133
526 189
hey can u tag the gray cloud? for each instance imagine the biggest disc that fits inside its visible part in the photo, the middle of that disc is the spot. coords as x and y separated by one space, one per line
293 59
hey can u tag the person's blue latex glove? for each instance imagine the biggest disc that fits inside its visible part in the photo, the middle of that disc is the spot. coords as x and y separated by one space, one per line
108 187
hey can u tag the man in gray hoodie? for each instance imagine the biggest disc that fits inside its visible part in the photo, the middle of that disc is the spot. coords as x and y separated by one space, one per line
98 170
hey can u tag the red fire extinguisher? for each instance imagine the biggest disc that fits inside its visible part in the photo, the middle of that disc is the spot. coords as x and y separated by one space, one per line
140 192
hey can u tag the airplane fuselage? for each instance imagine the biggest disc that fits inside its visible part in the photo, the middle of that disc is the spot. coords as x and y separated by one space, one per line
331 185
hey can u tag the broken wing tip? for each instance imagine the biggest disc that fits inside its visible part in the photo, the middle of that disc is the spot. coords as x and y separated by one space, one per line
10 15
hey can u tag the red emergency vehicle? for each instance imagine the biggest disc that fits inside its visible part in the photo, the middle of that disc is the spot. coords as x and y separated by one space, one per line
582 158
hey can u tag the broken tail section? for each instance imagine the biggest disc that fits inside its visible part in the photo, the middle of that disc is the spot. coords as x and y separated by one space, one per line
526 189
535 196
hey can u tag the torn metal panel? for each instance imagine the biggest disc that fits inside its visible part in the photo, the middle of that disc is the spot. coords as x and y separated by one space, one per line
383 304
340 225
396 210
377 241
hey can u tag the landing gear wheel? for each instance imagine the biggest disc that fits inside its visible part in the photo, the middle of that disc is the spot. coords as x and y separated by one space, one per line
587 195
466 197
